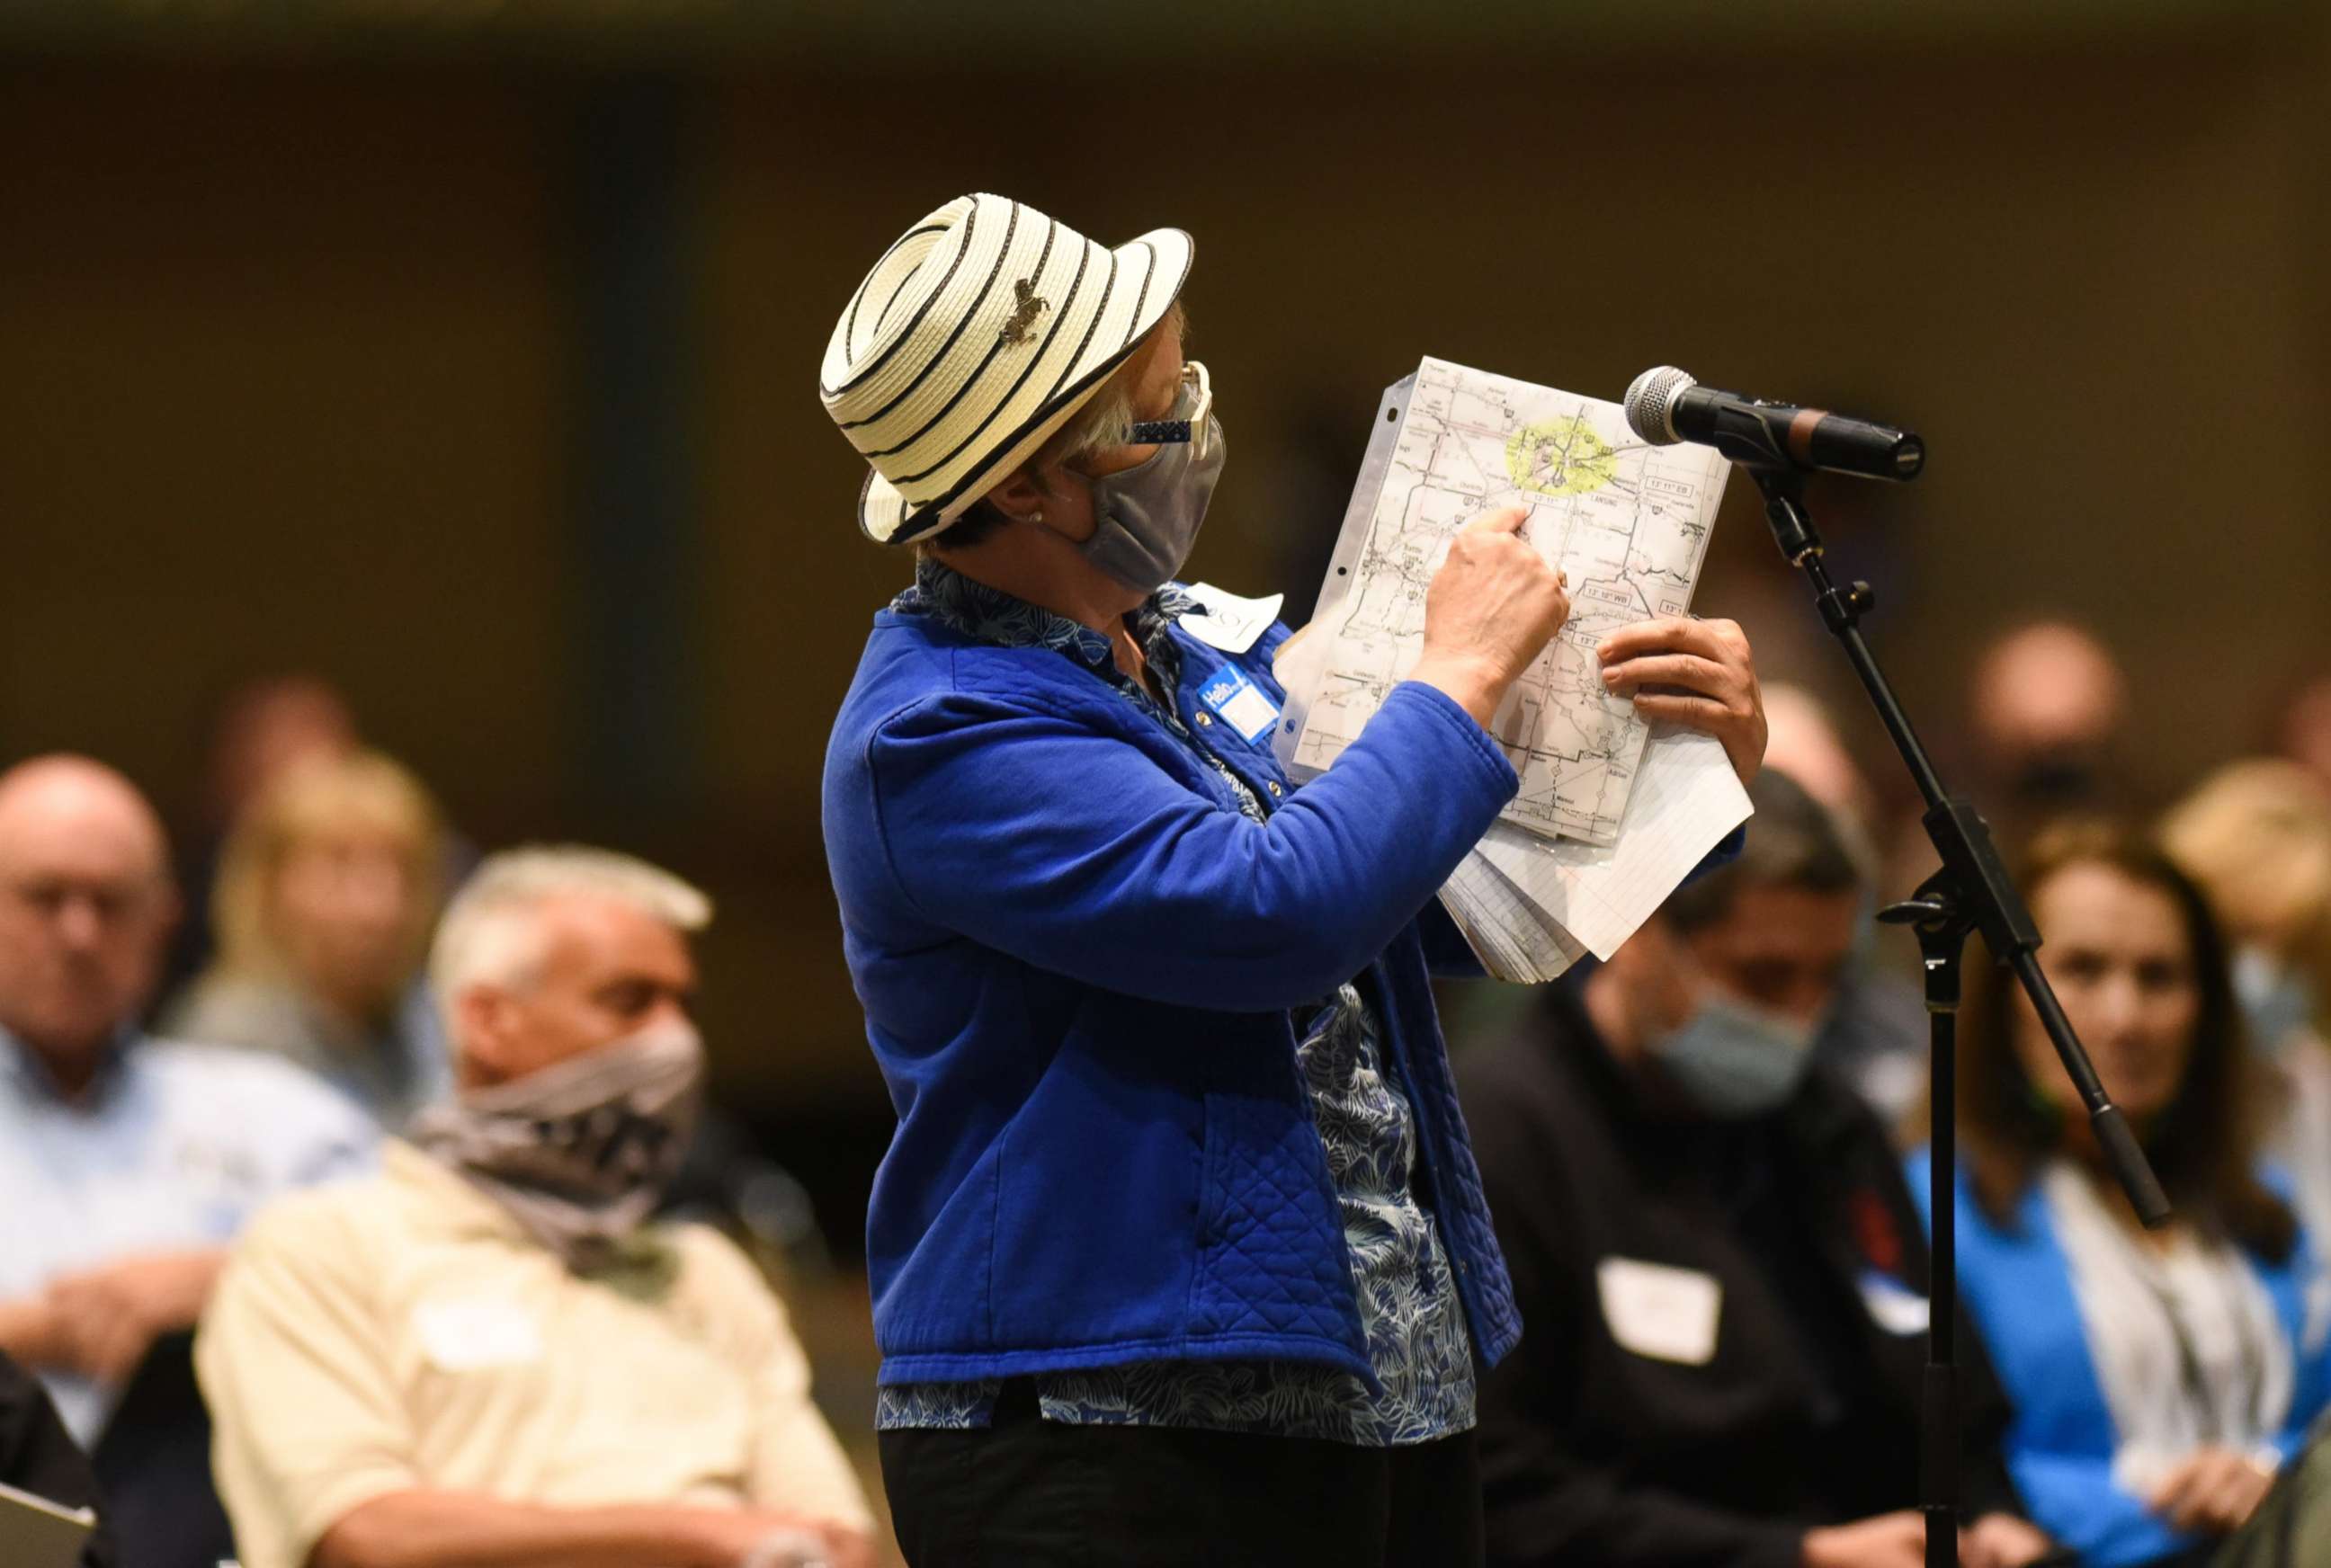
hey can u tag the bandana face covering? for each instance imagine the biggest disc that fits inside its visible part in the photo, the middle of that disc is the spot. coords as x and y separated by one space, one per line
581 1150
1146 519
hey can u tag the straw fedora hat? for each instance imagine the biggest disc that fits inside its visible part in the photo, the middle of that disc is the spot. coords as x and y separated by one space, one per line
975 338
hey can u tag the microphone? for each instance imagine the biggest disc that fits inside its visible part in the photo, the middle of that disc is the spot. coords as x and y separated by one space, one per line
1665 406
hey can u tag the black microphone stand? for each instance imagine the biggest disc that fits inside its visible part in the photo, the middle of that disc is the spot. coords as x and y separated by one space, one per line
1970 892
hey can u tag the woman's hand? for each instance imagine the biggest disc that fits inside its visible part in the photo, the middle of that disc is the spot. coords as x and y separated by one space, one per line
1699 674
1490 611
2214 1491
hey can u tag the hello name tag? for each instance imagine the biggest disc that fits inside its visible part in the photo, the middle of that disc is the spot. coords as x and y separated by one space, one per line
1228 621
1658 1311
472 1336
1240 703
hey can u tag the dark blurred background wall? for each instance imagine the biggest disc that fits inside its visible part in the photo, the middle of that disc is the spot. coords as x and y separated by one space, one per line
464 354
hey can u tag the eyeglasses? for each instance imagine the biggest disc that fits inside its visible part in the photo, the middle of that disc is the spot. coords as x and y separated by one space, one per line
112 903
1192 406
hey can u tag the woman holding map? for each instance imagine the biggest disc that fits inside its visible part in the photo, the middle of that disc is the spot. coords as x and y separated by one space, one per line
1178 1252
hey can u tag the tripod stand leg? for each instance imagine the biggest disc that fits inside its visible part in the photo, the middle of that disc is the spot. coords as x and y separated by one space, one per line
1938 1412
1941 943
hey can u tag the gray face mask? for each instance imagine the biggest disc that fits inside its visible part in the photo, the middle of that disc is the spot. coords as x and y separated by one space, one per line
1146 518
1734 1060
2276 999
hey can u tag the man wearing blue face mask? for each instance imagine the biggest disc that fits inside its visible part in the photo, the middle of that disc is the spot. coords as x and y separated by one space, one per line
1723 1276
1178 1253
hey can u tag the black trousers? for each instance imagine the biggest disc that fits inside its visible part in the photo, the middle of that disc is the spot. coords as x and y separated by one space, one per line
1029 1493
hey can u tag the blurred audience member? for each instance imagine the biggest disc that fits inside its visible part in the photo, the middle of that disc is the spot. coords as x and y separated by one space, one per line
488 1354
323 905
2046 711
1803 741
2256 836
37 1455
261 730
2158 1378
2303 733
1875 1034
1721 1272
2045 714
125 1162
267 727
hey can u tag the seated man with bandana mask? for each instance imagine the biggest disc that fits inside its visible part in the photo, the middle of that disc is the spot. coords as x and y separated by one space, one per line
1721 1270
489 1354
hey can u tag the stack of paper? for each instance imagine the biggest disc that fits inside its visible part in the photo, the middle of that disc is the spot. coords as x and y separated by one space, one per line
1611 814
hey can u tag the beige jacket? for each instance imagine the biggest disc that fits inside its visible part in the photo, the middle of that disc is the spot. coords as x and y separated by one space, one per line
404 1331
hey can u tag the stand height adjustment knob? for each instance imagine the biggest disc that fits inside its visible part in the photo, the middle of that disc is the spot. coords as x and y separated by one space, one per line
1861 597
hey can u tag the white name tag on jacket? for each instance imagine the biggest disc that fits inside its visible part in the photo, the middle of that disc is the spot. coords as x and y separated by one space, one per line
1230 622
1893 1305
1660 1311
470 1336
1240 703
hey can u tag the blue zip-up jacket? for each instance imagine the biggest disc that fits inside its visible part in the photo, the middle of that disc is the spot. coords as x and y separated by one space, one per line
1078 959
2017 1282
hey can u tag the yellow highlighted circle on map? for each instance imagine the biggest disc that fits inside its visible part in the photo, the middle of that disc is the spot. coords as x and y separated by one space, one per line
1559 457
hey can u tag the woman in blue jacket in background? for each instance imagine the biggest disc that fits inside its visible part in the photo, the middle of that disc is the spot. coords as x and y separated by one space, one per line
2160 1379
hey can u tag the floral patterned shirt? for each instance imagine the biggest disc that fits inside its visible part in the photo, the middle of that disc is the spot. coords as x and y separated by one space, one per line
1410 1311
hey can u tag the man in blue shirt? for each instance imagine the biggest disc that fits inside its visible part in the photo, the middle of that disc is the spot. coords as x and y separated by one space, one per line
126 1163
1179 1252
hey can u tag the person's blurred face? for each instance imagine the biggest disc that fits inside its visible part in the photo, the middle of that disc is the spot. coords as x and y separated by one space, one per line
345 906
85 908
2048 704
1723 1020
1802 742
608 970
2307 729
272 728
1780 948
2115 953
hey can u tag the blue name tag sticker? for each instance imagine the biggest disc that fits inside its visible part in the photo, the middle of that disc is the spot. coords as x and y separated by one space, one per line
1240 703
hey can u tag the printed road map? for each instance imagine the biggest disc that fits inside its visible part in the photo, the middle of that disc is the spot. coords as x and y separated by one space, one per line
1629 522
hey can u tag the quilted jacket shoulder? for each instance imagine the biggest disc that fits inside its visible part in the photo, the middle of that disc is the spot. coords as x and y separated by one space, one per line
1078 958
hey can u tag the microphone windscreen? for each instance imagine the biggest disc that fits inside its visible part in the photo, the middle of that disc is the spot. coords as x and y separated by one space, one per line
1651 404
